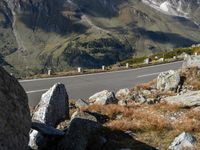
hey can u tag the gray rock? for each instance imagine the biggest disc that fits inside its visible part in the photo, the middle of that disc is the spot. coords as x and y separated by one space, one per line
81 103
122 93
51 110
182 142
47 130
168 80
14 114
191 61
189 99
78 134
103 98
139 97
83 115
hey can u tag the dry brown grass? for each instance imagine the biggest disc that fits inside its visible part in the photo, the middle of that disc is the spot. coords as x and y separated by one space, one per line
151 123
146 86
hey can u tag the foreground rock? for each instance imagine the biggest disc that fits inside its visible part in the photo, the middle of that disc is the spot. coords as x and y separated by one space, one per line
47 130
189 99
168 80
103 98
51 110
184 141
191 61
78 135
14 114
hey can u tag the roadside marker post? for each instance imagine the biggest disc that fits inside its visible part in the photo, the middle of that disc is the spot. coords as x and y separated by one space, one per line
49 72
127 65
79 69
103 68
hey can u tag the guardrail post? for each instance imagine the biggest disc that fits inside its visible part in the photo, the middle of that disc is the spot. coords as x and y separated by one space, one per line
127 65
79 69
49 72
174 57
103 67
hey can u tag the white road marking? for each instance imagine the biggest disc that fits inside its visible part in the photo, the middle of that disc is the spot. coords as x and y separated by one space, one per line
146 75
36 91
64 77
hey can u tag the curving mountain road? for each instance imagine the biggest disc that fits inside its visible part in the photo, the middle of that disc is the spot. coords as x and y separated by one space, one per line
83 86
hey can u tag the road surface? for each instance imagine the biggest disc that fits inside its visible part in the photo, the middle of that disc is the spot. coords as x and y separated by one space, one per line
83 86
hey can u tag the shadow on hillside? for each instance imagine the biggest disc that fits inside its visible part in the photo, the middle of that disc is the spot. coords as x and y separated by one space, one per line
48 16
58 16
116 139
166 37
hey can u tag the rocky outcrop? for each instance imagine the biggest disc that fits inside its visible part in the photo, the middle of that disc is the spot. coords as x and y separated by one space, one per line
103 98
51 110
189 99
183 141
14 114
191 61
168 80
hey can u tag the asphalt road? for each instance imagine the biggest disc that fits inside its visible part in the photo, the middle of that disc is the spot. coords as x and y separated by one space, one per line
83 86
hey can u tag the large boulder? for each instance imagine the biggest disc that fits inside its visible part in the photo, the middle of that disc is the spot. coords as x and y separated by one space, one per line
51 110
103 98
14 114
168 80
191 61
189 99
78 135
183 141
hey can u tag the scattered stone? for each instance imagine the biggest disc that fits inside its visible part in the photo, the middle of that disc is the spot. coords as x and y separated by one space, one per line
122 102
14 114
189 99
122 93
51 110
146 92
139 97
183 141
168 80
81 103
103 98
191 61
83 115
78 134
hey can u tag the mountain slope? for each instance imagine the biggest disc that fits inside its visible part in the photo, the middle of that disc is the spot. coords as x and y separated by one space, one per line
61 34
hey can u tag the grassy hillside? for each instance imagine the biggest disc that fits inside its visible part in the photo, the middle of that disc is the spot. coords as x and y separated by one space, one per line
61 35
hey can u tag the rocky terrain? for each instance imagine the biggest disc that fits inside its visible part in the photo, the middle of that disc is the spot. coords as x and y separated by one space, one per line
161 114
61 34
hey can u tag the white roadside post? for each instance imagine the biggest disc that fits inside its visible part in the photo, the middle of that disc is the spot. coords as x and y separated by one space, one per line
49 72
196 53
79 70
127 65
103 68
